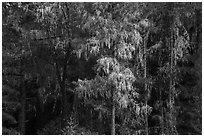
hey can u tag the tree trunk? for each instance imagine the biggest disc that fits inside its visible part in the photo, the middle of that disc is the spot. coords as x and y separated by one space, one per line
23 113
162 116
66 105
173 64
161 97
171 83
145 77
61 78
23 96
91 117
113 115
113 120
100 124
64 115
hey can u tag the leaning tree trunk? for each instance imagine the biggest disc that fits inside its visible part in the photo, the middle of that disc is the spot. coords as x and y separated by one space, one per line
145 77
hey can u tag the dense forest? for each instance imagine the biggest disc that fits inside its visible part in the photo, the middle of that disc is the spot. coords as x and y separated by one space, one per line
112 68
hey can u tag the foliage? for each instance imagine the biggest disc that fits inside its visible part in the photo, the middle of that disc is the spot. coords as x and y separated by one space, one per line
72 128
6 131
101 68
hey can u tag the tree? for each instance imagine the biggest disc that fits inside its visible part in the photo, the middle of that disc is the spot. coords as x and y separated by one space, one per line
62 23
14 59
19 69
101 68
179 39
114 42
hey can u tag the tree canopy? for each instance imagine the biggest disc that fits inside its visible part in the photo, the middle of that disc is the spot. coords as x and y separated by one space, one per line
80 68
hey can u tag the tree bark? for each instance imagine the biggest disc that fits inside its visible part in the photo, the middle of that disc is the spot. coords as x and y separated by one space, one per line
23 113
145 76
65 105
91 118
100 124
173 64
171 82
64 116
161 97
162 116
113 120
23 96
113 115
